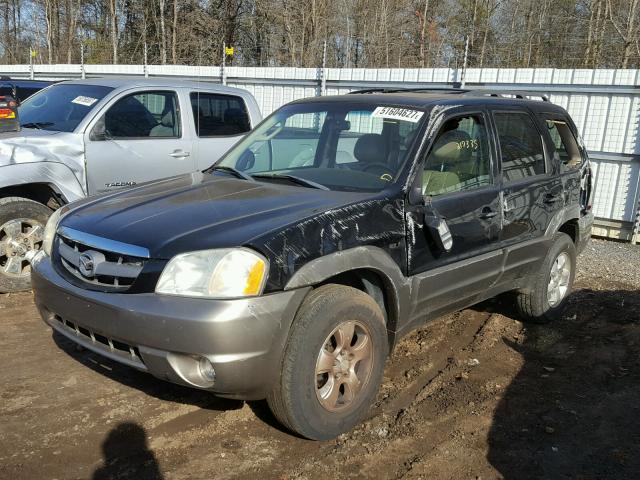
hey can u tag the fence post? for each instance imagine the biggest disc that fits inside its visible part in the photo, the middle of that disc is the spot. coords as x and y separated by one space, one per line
223 73
145 68
32 54
82 71
464 63
323 71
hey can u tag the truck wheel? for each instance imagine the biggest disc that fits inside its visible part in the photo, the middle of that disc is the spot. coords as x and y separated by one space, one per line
22 224
332 364
552 284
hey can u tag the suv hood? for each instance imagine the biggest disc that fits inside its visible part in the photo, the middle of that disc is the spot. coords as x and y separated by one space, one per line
200 211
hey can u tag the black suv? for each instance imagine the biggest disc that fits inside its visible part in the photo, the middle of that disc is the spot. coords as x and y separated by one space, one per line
291 268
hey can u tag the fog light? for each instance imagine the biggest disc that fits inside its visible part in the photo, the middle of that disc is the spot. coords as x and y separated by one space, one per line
206 369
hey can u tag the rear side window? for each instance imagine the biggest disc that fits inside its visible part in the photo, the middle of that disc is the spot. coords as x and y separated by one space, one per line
219 115
520 146
566 146
144 115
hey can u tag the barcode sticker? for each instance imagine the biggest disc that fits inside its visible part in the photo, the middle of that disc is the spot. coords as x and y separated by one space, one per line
86 101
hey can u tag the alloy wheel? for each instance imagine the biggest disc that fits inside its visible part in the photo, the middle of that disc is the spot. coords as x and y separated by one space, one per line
344 365
17 237
559 279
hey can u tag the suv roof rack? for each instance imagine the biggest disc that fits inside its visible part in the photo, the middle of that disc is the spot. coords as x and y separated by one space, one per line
492 92
417 89
520 94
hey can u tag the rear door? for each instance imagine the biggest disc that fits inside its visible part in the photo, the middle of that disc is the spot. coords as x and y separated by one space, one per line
144 139
563 142
459 186
220 120
531 189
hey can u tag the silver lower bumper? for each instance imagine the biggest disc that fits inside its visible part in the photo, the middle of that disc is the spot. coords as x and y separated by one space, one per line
165 335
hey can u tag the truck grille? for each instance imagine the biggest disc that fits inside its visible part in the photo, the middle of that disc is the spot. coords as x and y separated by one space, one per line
100 263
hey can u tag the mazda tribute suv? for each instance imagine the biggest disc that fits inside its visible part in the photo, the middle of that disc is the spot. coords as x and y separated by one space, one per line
290 268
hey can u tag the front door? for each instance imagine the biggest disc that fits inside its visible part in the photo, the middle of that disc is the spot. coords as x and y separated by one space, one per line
460 189
141 137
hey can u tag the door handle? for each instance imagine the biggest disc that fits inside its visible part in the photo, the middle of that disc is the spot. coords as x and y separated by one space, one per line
488 213
179 154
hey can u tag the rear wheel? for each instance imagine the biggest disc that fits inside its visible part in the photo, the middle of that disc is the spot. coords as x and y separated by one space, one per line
22 224
547 298
332 364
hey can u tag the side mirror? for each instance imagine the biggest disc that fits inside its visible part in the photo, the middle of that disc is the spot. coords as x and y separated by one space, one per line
99 132
246 161
438 228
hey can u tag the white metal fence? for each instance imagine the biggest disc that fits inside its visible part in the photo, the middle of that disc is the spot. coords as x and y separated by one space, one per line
605 104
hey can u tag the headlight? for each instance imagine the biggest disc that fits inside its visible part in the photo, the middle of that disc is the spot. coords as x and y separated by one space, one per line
50 231
221 273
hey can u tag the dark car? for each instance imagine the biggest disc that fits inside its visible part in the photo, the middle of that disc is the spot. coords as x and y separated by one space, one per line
19 89
292 267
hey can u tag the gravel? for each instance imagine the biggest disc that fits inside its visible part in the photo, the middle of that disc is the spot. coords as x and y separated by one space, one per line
608 260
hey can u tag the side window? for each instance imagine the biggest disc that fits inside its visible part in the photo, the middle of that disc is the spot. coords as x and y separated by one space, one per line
219 115
520 145
144 115
565 144
459 159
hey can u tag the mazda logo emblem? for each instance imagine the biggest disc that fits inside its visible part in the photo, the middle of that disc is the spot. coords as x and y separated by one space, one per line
86 265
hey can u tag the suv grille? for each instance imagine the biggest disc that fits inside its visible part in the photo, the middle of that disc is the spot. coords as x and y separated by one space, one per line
98 262
121 349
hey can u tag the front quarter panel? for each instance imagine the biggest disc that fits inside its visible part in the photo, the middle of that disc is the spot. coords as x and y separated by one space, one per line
56 159
376 222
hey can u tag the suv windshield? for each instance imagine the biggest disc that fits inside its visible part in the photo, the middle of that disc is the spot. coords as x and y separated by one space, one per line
339 146
61 107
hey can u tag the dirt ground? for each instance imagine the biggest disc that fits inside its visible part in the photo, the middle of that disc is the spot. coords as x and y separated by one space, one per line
474 395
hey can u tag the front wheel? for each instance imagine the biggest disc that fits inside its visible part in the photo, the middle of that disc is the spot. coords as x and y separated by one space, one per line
552 284
22 224
333 363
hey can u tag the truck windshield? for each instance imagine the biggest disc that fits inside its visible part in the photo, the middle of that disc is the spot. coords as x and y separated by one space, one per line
341 146
61 107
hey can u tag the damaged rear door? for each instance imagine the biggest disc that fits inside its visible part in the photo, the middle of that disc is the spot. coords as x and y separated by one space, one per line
453 235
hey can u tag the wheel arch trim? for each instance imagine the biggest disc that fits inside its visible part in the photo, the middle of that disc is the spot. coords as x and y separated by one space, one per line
369 258
57 176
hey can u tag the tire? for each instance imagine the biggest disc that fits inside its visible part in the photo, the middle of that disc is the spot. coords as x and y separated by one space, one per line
538 304
324 317
22 221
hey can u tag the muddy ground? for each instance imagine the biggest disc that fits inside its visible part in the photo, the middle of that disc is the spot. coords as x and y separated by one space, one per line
474 395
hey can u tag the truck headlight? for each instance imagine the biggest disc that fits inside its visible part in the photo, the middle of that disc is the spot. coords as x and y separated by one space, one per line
220 273
50 231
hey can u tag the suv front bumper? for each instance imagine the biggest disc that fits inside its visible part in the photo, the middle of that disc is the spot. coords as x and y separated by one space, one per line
243 339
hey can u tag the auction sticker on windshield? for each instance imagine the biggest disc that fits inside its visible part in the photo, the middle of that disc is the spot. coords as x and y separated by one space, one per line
394 113
86 101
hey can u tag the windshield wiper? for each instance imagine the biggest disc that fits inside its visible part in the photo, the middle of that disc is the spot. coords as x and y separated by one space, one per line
38 125
231 170
293 178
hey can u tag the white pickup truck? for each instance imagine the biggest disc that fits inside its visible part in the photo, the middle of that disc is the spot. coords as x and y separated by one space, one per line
84 137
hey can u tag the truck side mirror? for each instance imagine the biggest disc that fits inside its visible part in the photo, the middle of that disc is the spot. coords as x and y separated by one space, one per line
99 132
